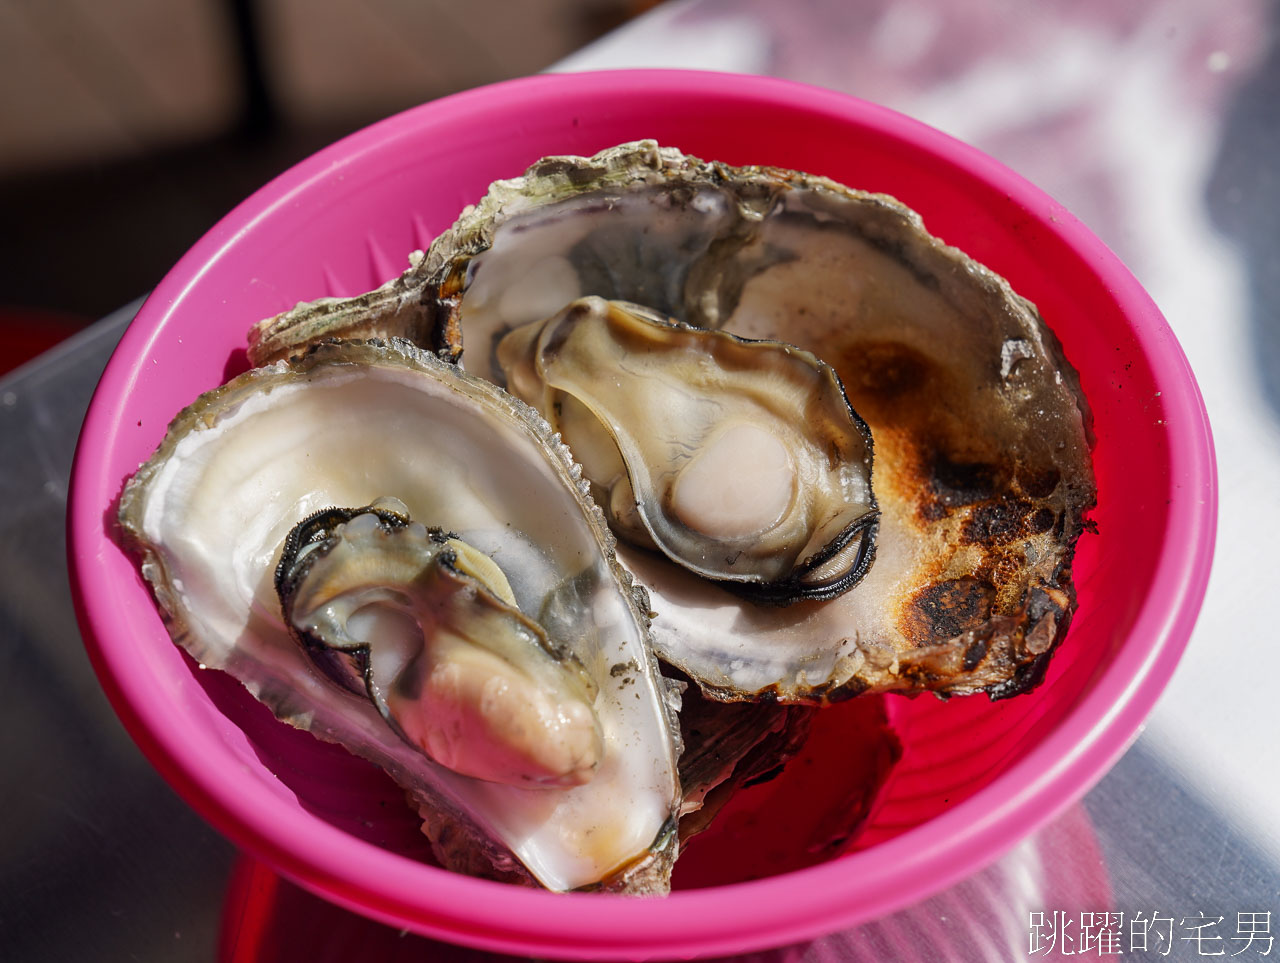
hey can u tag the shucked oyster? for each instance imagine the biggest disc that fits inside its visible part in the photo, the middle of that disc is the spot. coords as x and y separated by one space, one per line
738 460
429 629
982 469
212 510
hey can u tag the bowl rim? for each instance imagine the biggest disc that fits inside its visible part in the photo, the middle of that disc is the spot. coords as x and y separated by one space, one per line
768 912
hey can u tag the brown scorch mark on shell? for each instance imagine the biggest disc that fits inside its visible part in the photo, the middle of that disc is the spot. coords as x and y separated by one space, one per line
996 596
945 609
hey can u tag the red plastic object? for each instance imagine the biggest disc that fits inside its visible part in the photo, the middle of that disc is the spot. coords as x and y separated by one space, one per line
28 332
974 778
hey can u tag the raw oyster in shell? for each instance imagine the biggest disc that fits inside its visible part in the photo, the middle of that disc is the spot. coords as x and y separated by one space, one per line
740 461
982 471
344 425
429 629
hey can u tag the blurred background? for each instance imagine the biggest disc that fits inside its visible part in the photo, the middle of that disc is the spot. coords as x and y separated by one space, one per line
128 128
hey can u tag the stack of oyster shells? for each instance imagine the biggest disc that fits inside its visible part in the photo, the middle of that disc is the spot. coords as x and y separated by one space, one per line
740 438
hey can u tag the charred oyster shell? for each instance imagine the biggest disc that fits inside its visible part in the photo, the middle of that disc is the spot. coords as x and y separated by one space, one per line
982 474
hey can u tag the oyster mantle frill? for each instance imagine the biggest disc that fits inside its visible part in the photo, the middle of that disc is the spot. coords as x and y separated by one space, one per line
982 473
344 425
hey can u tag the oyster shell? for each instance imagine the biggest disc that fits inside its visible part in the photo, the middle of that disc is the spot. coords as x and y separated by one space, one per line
982 473
730 746
740 461
211 510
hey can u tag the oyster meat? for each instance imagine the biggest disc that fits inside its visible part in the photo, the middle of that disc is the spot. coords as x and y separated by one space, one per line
689 437
497 668
982 473
429 629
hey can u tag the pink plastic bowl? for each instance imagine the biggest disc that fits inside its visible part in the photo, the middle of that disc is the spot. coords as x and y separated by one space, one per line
975 776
